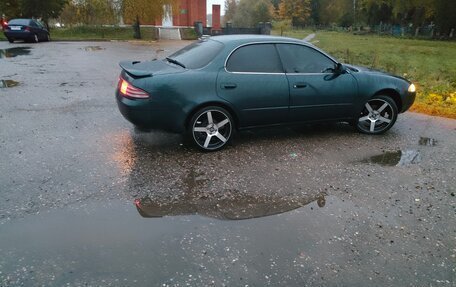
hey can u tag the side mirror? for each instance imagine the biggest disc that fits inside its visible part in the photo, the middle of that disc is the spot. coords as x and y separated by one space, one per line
339 69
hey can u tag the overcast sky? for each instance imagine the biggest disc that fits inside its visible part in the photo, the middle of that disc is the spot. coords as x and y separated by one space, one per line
210 2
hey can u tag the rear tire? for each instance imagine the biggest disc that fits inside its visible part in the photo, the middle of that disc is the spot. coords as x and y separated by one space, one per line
211 128
10 40
35 38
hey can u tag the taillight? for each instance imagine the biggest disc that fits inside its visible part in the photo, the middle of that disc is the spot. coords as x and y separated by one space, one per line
128 90
27 29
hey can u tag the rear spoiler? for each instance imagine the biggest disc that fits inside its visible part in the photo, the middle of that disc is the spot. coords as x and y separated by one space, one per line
129 68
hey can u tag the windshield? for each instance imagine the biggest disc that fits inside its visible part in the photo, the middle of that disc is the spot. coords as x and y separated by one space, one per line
198 55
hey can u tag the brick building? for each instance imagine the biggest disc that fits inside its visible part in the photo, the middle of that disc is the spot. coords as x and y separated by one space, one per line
188 12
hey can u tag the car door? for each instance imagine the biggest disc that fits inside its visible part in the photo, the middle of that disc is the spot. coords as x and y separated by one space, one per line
254 82
41 30
316 91
35 29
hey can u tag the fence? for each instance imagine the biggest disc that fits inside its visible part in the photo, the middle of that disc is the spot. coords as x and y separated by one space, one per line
261 29
426 31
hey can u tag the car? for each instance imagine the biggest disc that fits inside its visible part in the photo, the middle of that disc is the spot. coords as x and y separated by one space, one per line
218 85
27 30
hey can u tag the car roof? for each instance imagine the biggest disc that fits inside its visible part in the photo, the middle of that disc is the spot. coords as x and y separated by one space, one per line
244 39
234 41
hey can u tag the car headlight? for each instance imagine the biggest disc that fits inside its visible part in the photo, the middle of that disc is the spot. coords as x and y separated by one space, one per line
412 88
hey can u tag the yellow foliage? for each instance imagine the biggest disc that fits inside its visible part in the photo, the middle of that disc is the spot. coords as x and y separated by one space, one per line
436 98
296 10
145 10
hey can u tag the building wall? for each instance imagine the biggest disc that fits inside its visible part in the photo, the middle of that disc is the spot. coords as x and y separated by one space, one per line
187 13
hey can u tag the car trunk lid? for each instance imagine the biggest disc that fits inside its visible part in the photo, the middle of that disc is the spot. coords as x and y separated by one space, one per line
137 69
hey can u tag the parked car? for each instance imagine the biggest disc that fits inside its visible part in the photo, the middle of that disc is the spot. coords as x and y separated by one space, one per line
27 30
218 85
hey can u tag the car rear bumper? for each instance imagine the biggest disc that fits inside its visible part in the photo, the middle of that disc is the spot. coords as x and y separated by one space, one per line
139 113
18 35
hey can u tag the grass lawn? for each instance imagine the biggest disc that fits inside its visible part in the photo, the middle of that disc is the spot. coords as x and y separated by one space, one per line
429 64
99 33
93 33
96 33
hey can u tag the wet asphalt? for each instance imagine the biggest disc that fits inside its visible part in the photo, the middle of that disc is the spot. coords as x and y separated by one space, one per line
87 200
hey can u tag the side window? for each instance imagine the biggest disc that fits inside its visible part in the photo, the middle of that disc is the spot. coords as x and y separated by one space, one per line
302 59
257 58
33 24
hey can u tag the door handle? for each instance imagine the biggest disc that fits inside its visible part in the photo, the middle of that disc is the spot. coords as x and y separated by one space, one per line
229 86
299 85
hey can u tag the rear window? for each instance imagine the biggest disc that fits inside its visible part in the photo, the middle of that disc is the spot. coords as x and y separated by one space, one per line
24 22
199 54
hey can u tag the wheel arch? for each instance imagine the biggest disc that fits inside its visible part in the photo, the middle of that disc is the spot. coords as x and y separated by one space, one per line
213 103
393 94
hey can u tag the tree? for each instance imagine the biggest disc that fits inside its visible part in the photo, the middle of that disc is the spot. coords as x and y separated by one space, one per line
336 12
69 15
97 12
250 12
11 8
144 10
89 12
298 11
44 9
230 10
445 16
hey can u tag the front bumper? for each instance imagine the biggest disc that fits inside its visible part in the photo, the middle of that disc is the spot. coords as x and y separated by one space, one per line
408 101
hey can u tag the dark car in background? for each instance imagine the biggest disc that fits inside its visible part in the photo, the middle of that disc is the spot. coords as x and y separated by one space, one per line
26 30
216 86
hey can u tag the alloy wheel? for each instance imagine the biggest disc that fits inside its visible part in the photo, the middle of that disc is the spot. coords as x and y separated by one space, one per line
212 129
378 115
35 38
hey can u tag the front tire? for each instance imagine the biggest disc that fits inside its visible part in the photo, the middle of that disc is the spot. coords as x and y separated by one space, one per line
378 115
211 128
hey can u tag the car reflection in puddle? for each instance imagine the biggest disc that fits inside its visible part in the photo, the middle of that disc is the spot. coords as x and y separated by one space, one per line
395 158
13 52
228 208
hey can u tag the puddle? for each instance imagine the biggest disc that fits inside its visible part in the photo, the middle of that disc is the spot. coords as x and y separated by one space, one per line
93 48
238 207
395 158
109 242
8 83
427 141
13 52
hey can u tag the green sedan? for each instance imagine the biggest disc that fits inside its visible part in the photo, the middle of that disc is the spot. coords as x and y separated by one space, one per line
216 86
